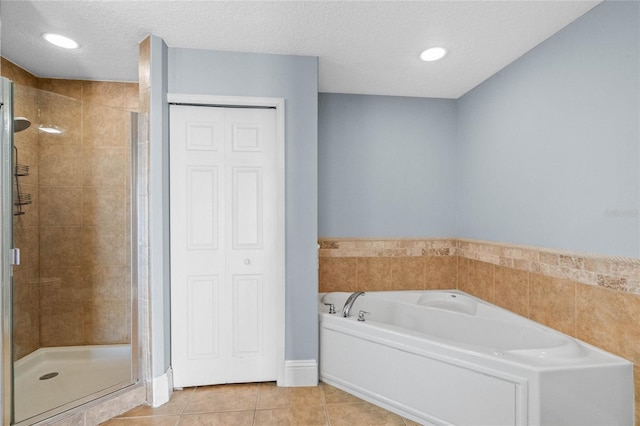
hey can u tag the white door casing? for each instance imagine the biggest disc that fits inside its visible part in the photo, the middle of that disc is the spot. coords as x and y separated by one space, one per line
227 245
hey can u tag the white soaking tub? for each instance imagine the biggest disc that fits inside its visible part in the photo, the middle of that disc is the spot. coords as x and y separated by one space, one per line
447 358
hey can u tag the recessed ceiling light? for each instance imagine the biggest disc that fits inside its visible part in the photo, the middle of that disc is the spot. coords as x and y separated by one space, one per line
433 54
60 41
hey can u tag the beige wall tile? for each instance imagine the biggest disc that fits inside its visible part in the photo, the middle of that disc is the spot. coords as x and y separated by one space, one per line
26 305
337 274
441 272
374 274
408 273
109 283
60 206
131 96
28 154
104 167
108 93
66 114
480 281
105 126
144 103
60 246
27 242
103 246
552 302
104 206
17 74
75 277
108 323
609 319
144 64
67 290
30 217
463 272
61 166
512 290
69 88
25 105
62 327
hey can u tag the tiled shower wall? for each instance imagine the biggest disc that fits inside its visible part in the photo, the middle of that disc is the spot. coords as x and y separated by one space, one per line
74 286
593 298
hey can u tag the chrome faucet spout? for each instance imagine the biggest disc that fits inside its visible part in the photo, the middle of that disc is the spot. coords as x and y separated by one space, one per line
349 303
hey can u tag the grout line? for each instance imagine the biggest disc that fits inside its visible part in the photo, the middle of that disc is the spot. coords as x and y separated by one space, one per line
255 405
324 404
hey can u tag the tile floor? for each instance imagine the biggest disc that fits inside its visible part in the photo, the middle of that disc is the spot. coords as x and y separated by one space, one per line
261 404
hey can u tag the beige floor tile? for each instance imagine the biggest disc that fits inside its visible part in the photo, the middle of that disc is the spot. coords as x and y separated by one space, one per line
144 421
294 416
272 396
227 418
209 399
363 414
176 405
333 395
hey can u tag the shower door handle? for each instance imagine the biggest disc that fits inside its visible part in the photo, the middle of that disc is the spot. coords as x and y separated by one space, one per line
14 256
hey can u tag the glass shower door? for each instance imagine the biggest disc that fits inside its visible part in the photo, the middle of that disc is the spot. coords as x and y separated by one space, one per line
67 189
6 245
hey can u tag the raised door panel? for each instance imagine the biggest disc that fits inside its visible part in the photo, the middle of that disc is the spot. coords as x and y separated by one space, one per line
247 207
202 225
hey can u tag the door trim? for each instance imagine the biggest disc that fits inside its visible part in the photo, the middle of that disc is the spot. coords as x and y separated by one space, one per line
278 104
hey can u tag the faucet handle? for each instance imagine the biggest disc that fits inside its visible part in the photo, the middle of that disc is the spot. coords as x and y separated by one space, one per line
332 308
361 315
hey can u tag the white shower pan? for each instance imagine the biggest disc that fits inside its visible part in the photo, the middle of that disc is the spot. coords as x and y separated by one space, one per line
81 371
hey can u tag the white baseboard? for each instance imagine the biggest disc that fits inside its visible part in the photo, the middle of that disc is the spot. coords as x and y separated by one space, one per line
162 388
301 373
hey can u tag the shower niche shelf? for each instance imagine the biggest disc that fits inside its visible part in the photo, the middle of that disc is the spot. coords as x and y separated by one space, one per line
21 170
21 199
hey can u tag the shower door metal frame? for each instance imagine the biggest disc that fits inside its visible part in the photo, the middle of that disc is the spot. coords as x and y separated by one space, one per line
133 245
6 244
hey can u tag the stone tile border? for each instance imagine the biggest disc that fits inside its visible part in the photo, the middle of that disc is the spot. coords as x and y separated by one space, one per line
617 273
343 247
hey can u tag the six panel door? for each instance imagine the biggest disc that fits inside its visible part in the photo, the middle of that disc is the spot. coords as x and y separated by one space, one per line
223 167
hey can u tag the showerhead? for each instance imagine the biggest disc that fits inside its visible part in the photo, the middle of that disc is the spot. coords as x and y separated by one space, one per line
20 124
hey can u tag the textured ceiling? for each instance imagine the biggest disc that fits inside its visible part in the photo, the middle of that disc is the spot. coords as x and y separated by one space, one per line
368 47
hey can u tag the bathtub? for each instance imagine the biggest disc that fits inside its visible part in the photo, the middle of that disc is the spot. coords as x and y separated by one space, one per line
443 357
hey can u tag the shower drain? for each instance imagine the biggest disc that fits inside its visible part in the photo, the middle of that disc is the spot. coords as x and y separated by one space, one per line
49 376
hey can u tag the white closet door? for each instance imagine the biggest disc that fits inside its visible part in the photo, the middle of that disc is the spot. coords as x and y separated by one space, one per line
223 245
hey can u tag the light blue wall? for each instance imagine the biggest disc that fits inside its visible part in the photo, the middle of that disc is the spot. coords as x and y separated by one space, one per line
387 166
549 146
294 78
159 248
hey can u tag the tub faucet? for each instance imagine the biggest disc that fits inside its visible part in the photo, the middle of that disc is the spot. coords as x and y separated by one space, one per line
349 303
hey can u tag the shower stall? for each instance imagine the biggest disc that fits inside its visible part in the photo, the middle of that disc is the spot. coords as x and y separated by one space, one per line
69 296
